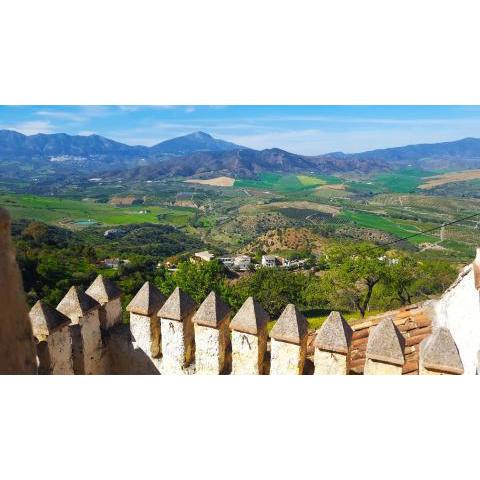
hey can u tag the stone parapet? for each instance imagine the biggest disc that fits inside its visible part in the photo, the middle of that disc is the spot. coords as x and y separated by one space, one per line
17 350
212 337
289 343
145 324
178 345
333 346
439 354
385 350
249 339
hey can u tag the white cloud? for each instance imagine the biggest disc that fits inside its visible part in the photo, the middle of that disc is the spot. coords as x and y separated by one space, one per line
61 115
31 127
317 141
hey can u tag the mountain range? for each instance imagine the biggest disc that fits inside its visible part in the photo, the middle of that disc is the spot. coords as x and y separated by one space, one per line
203 155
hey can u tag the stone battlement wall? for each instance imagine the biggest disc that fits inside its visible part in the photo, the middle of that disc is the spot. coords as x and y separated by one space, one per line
83 334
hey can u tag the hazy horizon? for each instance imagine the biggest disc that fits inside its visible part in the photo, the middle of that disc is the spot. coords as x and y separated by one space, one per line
307 130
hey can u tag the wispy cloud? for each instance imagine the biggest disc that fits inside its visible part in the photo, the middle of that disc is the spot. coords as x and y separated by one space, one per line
62 115
31 127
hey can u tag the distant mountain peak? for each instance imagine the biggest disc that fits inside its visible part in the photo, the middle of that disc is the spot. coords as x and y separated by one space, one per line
194 142
199 134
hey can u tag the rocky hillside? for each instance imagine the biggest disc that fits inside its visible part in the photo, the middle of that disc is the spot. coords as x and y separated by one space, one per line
280 239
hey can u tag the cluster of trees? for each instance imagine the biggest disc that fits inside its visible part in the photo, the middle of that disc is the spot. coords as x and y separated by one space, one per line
348 277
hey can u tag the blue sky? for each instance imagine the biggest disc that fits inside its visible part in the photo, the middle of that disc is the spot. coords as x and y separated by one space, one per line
299 129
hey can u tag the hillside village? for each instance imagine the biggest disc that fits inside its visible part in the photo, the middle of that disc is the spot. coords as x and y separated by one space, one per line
244 263
85 334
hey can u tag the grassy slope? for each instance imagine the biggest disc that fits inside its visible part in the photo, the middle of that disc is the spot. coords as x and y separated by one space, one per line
401 181
393 226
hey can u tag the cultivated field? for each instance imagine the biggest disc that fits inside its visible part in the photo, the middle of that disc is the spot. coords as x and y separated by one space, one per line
295 205
437 180
276 182
213 182
70 212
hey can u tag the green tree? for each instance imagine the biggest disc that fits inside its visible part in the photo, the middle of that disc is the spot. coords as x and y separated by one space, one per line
403 270
199 279
434 276
273 288
354 271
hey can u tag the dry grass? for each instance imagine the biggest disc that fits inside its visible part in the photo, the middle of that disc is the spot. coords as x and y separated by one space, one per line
278 240
213 182
437 180
124 201
335 186
300 205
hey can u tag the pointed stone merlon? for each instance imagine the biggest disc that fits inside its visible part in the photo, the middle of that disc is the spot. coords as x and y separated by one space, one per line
439 354
385 350
178 347
249 339
332 346
211 335
108 295
83 310
17 350
144 322
476 270
289 343
53 340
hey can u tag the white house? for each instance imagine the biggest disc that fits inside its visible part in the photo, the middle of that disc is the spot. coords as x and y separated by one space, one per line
227 261
205 256
269 261
242 262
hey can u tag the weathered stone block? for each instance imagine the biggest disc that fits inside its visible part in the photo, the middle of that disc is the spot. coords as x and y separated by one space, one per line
145 336
54 342
17 350
211 335
210 347
289 343
385 350
108 295
374 367
331 363
177 346
248 353
93 355
83 310
439 354
287 358
111 313
332 346
60 349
